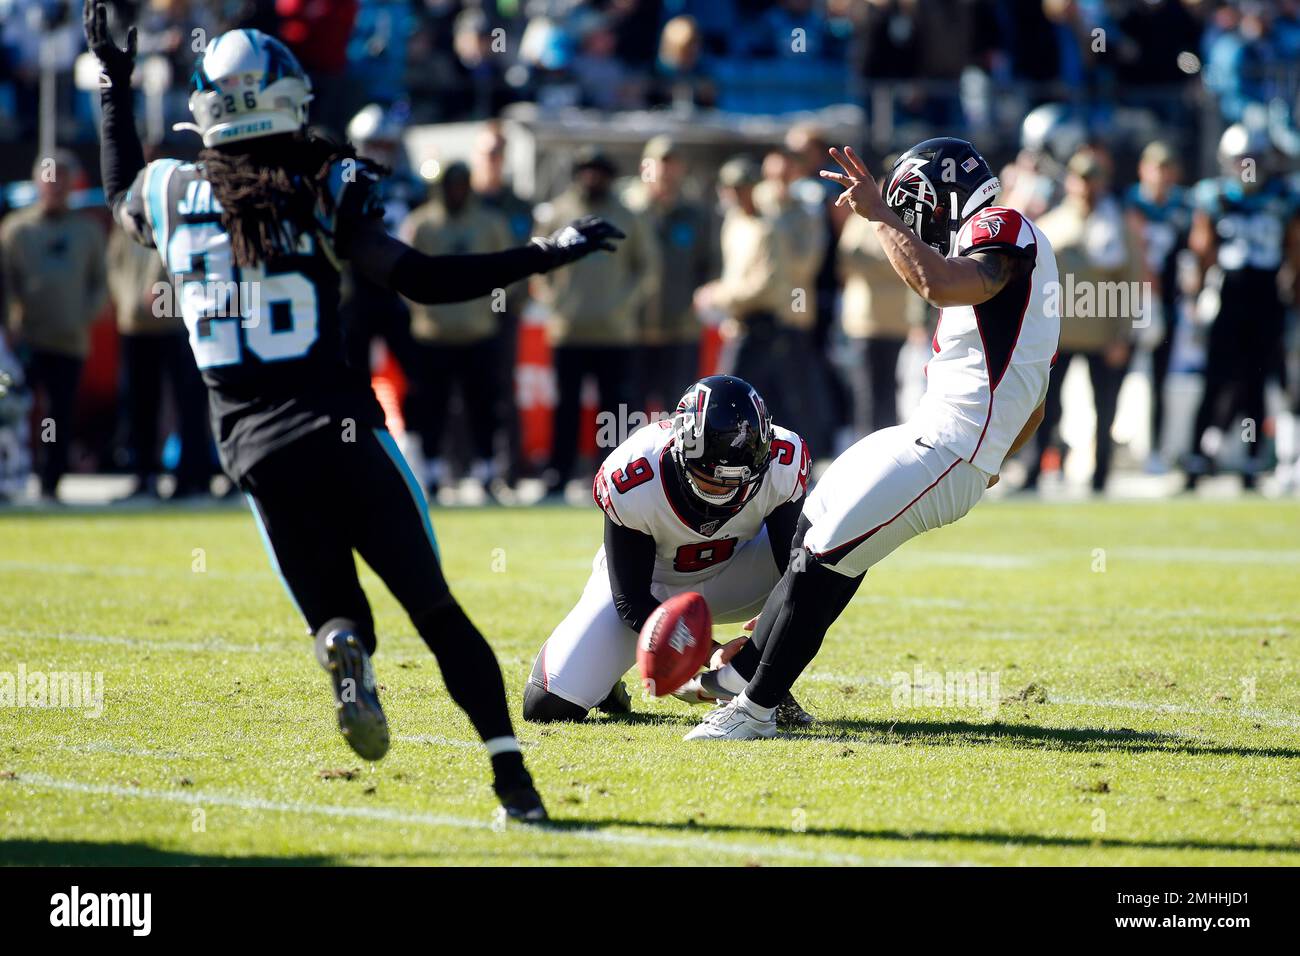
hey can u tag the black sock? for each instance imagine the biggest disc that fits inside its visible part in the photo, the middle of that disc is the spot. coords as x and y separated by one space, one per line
509 771
747 659
804 605
471 673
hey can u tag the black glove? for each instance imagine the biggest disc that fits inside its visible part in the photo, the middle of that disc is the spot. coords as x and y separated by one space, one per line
116 63
578 239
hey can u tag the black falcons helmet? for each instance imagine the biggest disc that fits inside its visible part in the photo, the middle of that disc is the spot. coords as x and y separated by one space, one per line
937 185
724 436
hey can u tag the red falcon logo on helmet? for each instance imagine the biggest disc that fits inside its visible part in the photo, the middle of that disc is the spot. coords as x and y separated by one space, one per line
910 183
991 225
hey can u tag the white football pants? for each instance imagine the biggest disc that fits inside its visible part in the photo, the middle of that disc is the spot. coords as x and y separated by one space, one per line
592 647
885 489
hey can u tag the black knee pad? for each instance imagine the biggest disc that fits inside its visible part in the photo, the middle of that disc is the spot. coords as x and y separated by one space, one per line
541 706
339 625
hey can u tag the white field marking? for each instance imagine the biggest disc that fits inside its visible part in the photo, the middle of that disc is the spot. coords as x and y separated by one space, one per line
962 604
124 570
1211 555
146 644
1273 718
967 559
695 845
438 740
1181 555
104 747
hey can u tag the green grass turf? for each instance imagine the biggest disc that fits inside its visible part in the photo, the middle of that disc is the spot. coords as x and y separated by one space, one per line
1148 713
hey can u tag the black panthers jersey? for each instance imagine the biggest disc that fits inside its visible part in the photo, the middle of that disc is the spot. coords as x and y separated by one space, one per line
268 339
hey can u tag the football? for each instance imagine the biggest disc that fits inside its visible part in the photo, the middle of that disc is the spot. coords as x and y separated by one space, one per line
675 643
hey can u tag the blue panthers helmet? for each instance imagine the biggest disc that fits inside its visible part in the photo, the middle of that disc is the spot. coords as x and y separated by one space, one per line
247 85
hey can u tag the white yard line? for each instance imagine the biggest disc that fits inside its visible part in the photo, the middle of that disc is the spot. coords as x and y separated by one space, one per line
1273 718
145 643
699 847
438 740
181 569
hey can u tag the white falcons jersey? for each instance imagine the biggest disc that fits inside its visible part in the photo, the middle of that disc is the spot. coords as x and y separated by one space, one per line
991 361
630 488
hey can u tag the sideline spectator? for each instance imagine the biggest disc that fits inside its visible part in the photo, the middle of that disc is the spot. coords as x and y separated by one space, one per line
670 329
55 285
1159 217
455 344
594 306
879 314
1094 250
154 346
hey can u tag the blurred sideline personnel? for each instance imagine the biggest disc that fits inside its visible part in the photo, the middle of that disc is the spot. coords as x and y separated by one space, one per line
803 238
878 316
299 429
55 283
990 271
670 329
370 310
154 348
1245 227
766 335
706 501
15 443
1159 218
455 344
594 308
487 179
1095 251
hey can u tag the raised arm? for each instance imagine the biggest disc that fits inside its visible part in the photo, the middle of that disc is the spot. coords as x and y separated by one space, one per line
121 157
941 281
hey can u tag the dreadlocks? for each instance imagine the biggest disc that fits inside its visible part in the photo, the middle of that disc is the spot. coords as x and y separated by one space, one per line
271 190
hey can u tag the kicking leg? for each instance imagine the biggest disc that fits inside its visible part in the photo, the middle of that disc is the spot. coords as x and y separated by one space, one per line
883 491
395 537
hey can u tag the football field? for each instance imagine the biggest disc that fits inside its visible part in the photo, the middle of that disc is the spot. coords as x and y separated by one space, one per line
1091 683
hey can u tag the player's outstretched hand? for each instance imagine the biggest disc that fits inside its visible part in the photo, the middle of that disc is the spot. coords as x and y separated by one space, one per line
579 238
860 190
116 62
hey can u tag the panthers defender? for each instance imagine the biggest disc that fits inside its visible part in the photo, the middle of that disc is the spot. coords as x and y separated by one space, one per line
254 235
1245 232
705 501
993 276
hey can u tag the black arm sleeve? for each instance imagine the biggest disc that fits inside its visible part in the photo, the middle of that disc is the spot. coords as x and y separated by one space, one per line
630 559
121 157
436 279
781 525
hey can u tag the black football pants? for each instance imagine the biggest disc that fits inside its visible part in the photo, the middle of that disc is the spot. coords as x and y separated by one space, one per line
318 499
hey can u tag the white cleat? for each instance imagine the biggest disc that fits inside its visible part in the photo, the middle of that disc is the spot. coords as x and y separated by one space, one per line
731 721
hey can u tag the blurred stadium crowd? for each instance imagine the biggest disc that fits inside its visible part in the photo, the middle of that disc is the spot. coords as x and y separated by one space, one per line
698 126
